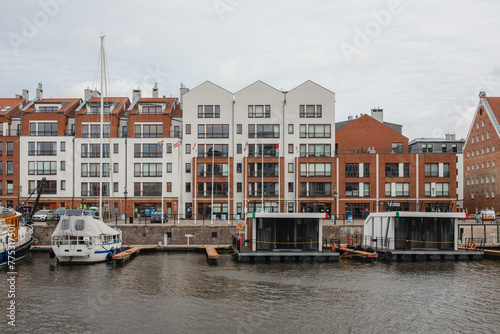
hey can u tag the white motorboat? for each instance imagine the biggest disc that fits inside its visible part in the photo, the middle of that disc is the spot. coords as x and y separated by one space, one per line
81 238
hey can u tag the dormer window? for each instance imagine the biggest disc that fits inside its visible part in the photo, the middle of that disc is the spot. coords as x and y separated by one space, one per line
95 110
152 110
48 109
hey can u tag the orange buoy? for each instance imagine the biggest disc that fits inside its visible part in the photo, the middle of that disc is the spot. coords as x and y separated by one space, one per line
334 247
351 241
472 245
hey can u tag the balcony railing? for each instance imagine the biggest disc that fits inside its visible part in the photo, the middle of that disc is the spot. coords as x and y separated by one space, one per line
43 133
122 134
147 174
69 132
10 132
259 174
259 193
94 193
209 174
215 155
266 155
148 154
148 135
313 174
265 134
147 193
315 193
42 152
94 135
42 171
215 193
315 154
176 134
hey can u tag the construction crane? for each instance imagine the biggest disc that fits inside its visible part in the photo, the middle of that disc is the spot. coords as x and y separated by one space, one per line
27 211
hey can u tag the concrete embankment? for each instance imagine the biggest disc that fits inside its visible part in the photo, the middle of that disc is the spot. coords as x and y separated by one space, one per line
152 234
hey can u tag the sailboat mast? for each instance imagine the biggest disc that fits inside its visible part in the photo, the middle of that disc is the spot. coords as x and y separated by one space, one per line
102 128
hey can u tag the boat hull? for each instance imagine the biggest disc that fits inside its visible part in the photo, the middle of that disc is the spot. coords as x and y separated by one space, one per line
80 254
20 252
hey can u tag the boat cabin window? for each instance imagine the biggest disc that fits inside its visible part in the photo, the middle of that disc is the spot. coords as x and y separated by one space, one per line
65 224
80 225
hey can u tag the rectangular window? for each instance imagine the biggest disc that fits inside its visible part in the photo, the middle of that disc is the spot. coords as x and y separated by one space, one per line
319 131
239 187
391 170
115 187
169 148
188 129
63 165
188 187
239 129
63 146
352 170
115 167
290 148
239 148
10 187
388 189
397 147
169 187
290 168
432 170
290 187
406 170
239 167
315 150
290 129
1 149
352 189
169 167
116 148
10 167
188 148
63 185
188 167
366 189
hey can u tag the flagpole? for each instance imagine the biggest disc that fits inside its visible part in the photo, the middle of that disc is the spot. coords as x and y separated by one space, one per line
164 184
279 178
262 176
212 192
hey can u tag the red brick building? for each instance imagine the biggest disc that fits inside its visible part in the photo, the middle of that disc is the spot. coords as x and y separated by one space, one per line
376 171
481 154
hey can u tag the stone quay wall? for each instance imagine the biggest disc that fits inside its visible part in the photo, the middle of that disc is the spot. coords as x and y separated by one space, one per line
201 235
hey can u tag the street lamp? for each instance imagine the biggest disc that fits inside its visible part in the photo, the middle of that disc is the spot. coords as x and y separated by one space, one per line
125 193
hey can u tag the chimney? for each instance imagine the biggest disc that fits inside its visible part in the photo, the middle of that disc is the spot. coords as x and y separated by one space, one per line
378 114
155 90
136 93
19 96
482 94
88 93
449 136
184 90
26 95
39 91
349 118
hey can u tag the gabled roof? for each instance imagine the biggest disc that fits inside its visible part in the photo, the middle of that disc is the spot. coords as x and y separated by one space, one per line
169 101
8 106
120 104
260 83
309 82
492 108
67 105
208 83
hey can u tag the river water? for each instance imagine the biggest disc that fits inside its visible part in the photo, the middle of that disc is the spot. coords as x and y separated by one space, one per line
181 293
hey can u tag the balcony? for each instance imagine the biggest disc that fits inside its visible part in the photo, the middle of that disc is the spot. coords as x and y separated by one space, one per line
148 135
266 174
176 134
70 132
10 132
148 154
316 193
315 154
265 134
147 174
266 154
259 193
216 193
215 155
42 171
94 135
122 134
94 193
316 174
147 193
215 174
43 133
42 152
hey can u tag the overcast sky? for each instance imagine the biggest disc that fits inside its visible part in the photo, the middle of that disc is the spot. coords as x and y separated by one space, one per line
423 62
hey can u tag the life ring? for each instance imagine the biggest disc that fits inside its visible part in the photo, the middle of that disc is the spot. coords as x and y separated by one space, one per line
472 245
334 247
239 226
351 241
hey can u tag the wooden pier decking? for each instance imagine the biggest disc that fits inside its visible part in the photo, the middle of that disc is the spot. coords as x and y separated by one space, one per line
212 255
125 255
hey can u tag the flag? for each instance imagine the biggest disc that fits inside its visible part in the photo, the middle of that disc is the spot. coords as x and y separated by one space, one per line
160 143
177 144
194 147
278 146
246 145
